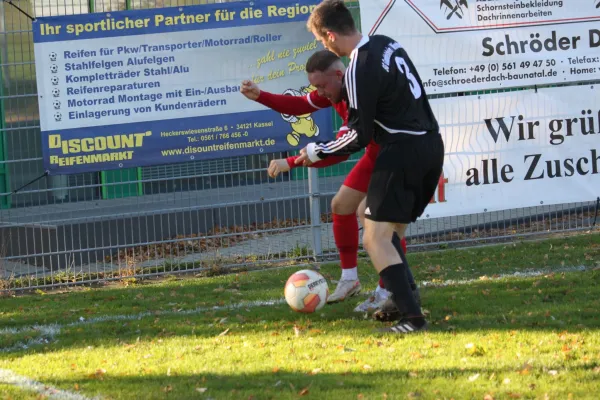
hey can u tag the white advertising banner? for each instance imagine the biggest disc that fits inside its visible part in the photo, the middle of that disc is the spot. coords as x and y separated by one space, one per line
518 149
466 45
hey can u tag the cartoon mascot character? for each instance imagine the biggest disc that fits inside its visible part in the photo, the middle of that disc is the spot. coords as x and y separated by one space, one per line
301 124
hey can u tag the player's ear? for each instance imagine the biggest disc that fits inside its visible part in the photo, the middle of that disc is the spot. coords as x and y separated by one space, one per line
331 36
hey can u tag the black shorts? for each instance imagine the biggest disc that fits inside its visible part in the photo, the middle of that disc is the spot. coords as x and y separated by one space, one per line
405 178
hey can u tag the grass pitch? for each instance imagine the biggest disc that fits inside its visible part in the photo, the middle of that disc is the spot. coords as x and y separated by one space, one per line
506 322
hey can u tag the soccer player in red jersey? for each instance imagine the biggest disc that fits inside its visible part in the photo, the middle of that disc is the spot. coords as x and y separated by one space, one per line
325 72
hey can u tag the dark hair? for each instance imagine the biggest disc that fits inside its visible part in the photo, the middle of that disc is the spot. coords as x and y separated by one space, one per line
321 61
331 15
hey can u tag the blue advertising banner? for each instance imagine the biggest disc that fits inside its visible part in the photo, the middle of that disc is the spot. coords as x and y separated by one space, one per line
158 86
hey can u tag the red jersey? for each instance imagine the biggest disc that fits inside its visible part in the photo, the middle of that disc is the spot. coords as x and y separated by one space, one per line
298 105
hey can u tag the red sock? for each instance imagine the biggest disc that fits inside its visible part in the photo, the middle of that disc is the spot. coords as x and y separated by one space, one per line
345 233
403 244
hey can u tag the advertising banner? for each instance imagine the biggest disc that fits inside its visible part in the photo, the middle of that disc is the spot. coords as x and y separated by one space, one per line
158 86
518 149
467 45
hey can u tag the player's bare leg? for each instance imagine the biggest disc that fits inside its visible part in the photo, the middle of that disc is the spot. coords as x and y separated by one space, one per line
345 232
391 267
379 296
380 302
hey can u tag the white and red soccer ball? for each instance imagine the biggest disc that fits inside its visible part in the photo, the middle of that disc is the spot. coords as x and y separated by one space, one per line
306 291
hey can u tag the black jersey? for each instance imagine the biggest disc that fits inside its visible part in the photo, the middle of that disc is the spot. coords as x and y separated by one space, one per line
385 96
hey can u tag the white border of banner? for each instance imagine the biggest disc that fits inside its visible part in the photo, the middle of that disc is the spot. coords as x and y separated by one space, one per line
455 54
544 129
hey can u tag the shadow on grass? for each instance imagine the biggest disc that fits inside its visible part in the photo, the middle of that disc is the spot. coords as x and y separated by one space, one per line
354 383
556 302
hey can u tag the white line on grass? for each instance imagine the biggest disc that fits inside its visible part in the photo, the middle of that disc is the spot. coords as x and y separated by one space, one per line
521 274
10 378
48 332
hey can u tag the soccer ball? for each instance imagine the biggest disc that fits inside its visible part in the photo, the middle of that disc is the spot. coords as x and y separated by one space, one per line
57 117
54 68
53 56
54 80
55 92
56 104
306 291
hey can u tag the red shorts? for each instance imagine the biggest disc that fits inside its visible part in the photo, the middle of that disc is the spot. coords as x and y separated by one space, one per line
360 175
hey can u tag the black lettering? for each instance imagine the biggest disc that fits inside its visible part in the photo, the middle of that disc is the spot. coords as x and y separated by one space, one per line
506 169
587 131
489 49
595 161
473 177
532 167
503 128
570 123
580 169
594 38
570 171
555 127
553 172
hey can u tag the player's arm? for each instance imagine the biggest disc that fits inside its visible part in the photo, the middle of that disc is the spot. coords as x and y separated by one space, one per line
362 83
283 103
280 165
327 162
293 105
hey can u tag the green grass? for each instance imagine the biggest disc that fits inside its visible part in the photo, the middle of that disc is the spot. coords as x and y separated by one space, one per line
501 337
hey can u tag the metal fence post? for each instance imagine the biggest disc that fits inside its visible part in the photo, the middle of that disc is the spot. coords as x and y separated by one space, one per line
315 211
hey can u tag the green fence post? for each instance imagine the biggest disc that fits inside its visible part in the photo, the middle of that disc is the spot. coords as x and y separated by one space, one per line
121 175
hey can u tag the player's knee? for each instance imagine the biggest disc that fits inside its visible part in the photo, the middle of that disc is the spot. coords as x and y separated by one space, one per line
339 207
370 241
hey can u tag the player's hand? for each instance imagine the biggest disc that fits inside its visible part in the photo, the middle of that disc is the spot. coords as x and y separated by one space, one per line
250 89
276 167
303 159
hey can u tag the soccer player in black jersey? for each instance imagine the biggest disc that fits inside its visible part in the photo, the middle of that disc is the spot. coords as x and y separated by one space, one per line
387 103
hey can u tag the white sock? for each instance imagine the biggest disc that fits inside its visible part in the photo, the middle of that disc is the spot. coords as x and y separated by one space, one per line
381 290
350 274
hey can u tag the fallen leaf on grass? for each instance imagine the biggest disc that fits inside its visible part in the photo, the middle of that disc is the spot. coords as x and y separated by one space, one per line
553 372
488 397
275 370
473 378
367 366
201 390
514 395
525 369
224 332
303 392
99 374
316 371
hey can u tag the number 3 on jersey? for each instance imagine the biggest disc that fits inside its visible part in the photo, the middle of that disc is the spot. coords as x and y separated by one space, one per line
415 88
